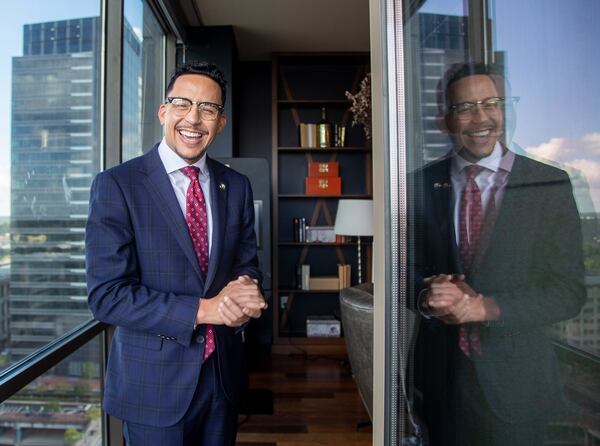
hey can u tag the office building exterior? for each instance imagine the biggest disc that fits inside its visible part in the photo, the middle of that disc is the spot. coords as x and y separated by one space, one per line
55 153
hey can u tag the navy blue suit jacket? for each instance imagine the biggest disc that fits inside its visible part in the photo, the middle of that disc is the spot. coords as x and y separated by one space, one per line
532 266
143 277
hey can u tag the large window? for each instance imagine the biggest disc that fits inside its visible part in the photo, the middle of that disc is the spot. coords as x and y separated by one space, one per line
497 168
143 78
61 407
49 128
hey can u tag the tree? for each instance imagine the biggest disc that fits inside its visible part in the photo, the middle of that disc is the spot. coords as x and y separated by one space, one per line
72 436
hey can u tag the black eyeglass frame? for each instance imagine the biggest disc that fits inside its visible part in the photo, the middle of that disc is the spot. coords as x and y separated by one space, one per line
500 102
199 104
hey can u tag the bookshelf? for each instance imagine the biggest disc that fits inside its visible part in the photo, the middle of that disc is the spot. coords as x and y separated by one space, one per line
303 83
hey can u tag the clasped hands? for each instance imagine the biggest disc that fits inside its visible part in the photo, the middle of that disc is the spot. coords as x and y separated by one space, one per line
450 299
235 304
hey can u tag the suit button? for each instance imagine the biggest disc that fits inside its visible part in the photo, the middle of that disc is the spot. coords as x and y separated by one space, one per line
200 339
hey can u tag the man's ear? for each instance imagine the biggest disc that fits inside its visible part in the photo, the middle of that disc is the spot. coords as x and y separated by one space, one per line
222 123
161 113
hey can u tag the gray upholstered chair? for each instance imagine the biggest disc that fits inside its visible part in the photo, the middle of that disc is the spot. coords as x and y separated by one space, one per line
356 306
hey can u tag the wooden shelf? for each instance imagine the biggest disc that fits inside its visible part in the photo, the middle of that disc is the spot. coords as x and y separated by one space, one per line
312 197
300 150
315 102
297 338
315 76
320 244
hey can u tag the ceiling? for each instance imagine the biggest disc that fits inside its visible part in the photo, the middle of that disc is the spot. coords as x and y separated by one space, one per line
265 26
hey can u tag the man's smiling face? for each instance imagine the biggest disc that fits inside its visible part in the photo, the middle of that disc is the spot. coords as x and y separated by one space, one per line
189 135
476 133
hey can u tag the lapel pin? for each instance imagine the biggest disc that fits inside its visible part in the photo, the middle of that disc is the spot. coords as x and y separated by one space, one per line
222 186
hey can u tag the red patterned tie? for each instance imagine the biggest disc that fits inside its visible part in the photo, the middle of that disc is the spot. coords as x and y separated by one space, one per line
470 226
197 221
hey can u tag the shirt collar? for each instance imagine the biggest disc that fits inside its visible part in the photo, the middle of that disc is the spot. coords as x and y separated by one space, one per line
174 162
499 159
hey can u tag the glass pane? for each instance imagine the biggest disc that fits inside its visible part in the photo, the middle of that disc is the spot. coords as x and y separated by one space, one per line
49 152
143 78
61 407
504 184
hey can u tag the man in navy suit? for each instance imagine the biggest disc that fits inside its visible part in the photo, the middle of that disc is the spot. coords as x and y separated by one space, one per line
498 259
171 262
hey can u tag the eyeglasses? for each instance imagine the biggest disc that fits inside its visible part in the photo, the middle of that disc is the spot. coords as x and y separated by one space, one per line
464 110
209 111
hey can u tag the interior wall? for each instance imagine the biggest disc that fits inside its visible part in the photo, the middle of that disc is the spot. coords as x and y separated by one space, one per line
254 106
216 44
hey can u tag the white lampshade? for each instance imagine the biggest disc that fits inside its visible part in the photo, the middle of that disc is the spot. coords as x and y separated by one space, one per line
354 217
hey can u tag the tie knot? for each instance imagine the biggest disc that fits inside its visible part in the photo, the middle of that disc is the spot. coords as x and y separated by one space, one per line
472 171
191 172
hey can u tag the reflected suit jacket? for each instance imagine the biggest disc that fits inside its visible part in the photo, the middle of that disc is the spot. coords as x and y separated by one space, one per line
143 277
532 267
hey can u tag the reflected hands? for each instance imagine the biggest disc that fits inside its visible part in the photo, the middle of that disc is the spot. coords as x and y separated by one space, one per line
452 300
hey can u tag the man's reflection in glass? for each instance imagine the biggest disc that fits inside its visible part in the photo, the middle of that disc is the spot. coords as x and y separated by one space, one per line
498 261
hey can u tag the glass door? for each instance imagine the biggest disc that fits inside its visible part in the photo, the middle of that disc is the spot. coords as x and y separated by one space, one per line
492 183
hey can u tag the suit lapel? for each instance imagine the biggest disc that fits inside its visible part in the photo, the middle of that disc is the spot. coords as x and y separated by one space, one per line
443 212
161 191
219 191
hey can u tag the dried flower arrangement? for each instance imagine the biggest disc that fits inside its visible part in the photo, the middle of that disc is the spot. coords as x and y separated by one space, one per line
361 105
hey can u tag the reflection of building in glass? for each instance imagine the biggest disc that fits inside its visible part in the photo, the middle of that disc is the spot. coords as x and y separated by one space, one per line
583 331
55 154
132 93
442 43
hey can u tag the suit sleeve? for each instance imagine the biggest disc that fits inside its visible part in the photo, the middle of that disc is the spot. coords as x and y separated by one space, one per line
555 290
115 294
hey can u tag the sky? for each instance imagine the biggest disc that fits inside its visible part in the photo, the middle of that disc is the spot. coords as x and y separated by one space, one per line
552 54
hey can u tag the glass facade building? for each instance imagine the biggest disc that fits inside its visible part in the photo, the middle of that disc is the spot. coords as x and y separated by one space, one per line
54 156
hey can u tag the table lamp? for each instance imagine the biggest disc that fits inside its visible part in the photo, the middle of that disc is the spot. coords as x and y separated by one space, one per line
355 218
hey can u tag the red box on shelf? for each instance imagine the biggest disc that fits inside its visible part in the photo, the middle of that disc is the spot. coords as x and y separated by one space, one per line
319 170
323 186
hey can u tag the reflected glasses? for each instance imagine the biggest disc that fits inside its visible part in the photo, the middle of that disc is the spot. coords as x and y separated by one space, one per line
209 111
464 110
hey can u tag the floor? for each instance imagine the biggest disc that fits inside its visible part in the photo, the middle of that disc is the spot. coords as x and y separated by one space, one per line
315 402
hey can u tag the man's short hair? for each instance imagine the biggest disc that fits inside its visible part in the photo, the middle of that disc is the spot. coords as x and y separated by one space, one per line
462 70
204 69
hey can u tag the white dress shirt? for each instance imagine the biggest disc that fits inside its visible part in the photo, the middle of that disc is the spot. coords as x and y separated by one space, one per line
181 182
491 180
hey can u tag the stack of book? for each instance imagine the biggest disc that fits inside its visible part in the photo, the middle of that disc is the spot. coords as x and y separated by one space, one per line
299 230
344 272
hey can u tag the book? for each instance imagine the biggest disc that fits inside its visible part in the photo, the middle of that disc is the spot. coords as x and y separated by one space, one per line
308 135
306 277
324 283
296 229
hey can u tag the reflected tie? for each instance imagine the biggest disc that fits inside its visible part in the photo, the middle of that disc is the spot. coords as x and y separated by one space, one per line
470 227
197 222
